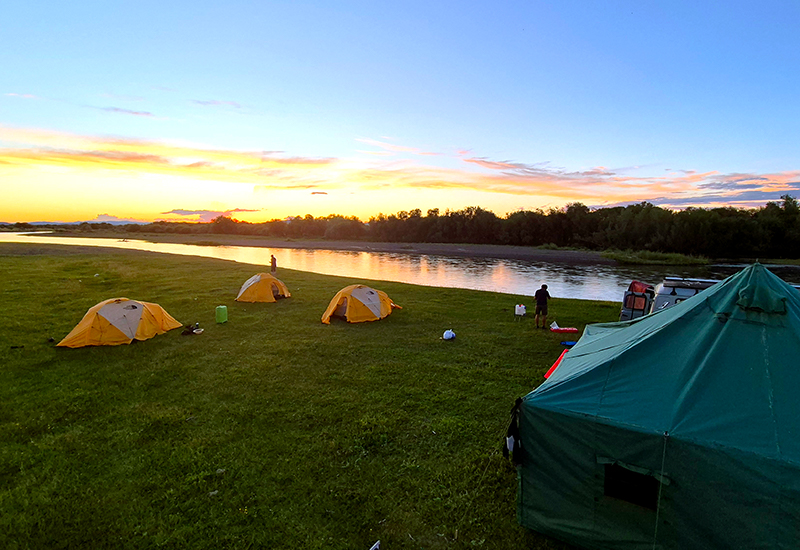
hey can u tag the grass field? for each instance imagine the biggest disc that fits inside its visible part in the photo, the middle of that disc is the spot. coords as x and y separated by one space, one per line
269 431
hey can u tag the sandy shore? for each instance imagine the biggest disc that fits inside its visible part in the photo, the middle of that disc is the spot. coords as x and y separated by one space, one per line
575 257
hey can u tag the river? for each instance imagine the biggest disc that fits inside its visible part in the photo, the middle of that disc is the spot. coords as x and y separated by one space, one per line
517 277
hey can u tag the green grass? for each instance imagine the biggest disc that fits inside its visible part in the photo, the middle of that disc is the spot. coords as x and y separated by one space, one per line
646 257
270 431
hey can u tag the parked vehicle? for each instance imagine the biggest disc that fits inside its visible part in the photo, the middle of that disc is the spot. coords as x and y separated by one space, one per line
643 298
637 300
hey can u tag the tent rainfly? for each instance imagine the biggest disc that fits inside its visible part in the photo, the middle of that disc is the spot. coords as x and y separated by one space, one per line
262 287
359 303
119 321
677 430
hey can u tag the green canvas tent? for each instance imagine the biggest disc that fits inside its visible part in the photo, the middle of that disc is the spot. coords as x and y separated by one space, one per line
678 430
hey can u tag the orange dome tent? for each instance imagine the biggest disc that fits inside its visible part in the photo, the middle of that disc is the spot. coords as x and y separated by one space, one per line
359 303
119 321
262 287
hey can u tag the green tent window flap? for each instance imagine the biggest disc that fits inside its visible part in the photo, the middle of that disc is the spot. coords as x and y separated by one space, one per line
598 469
655 474
624 484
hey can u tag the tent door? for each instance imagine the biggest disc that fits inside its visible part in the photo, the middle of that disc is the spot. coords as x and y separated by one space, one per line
341 309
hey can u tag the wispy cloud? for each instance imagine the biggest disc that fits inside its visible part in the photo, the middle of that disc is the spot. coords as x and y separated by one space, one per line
111 219
126 111
206 215
376 153
396 148
22 96
217 103
45 148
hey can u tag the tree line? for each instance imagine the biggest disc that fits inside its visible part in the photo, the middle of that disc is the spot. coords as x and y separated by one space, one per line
772 231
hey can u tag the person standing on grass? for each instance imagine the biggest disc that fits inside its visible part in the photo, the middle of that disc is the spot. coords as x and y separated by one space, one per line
541 297
273 264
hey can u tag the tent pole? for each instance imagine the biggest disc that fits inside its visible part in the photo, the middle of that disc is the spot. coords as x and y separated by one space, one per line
660 486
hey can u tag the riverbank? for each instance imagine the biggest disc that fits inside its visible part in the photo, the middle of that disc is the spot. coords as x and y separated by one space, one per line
573 257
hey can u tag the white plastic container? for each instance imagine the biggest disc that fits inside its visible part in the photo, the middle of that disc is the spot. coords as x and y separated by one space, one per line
519 309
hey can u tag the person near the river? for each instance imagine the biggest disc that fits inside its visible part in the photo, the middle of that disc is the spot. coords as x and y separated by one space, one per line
541 297
273 264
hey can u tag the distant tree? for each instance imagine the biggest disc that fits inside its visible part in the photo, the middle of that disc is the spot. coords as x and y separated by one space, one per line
582 224
345 229
223 225
524 228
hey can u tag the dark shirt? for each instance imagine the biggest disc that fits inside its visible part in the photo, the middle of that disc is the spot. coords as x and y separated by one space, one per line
541 297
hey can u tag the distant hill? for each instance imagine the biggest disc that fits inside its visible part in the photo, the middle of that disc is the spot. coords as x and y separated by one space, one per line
114 222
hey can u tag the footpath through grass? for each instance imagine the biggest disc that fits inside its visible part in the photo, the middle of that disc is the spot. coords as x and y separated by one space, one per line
270 431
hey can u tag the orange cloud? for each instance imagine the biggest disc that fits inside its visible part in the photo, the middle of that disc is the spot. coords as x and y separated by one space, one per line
509 183
45 148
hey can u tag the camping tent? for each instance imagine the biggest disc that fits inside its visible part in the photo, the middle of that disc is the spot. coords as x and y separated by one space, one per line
675 430
119 321
262 287
359 303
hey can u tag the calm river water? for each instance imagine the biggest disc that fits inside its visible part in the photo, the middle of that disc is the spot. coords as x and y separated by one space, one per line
518 277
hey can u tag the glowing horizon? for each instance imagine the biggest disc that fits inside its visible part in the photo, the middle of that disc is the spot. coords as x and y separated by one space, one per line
57 176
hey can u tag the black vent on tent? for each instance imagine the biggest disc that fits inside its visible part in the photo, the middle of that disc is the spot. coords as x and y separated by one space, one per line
630 486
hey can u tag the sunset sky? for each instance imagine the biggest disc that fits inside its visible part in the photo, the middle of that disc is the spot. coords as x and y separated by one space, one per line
261 110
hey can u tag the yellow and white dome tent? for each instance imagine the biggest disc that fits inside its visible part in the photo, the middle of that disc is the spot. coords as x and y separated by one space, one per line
359 303
119 321
262 287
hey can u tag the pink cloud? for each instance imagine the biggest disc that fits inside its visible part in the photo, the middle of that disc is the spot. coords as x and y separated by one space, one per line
216 102
396 148
127 111
206 215
376 153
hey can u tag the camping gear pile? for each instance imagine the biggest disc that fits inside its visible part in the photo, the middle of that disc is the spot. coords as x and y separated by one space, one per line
674 430
555 328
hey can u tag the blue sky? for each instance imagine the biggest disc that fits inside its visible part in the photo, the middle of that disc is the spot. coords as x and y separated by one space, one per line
380 107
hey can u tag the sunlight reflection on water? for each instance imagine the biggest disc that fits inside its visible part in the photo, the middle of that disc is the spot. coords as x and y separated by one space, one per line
517 277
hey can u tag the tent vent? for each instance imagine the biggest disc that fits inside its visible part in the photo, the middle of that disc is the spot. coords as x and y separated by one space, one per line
630 486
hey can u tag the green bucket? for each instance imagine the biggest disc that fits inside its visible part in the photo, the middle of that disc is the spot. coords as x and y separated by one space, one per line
222 314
